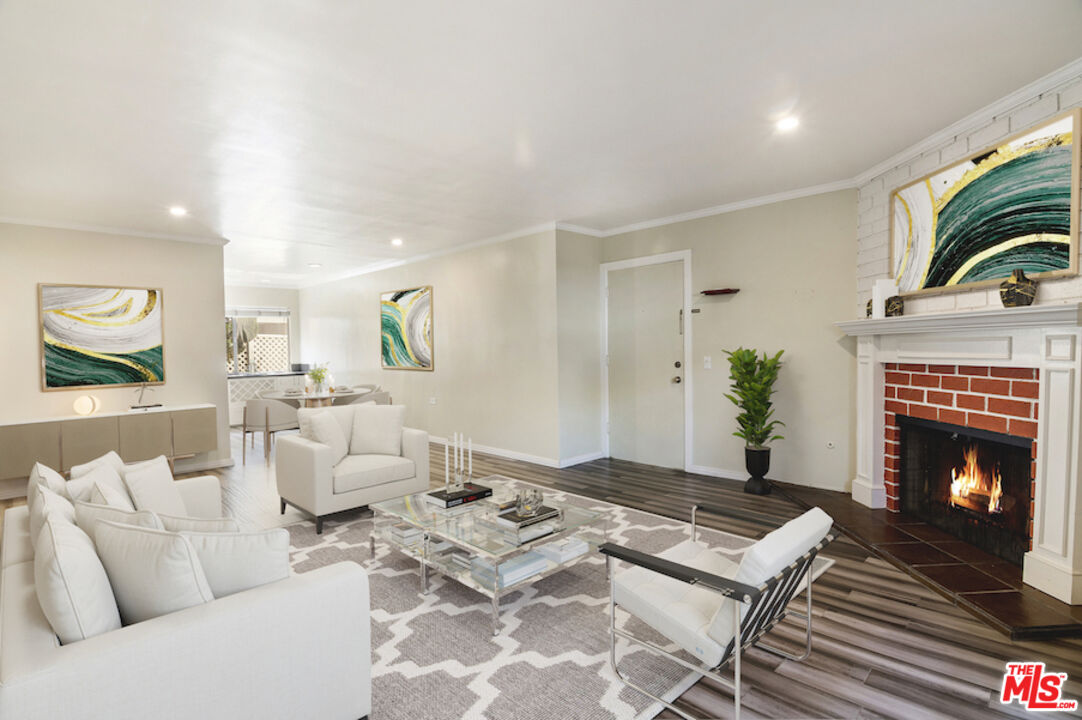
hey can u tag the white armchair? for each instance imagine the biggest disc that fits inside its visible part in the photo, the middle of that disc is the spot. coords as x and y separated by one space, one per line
713 606
310 480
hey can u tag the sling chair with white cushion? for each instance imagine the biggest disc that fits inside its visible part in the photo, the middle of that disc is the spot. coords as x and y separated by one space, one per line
715 605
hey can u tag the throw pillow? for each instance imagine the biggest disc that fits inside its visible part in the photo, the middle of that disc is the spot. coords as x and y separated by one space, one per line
109 459
46 503
153 572
151 488
325 430
173 523
87 516
44 475
239 561
377 429
109 495
81 487
343 415
72 587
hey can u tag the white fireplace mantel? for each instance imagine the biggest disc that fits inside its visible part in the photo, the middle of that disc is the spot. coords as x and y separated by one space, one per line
1046 337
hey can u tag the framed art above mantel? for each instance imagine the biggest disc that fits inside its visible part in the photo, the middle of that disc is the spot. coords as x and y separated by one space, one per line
1012 205
93 336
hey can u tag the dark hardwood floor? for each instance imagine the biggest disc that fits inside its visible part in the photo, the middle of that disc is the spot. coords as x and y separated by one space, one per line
885 645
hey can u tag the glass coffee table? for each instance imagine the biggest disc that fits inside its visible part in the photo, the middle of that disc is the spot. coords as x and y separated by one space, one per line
470 546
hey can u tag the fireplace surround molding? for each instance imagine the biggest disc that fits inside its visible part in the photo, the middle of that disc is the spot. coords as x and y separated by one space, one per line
1045 337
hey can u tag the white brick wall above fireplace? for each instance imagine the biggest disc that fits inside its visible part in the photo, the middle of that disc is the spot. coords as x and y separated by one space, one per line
1047 338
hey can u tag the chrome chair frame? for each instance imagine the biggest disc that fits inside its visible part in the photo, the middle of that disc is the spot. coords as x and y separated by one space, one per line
767 606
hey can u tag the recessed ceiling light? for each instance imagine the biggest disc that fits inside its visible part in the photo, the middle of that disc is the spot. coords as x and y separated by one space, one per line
397 242
787 123
178 211
315 265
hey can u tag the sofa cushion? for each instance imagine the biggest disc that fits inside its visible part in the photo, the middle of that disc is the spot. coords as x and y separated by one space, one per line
87 516
71 584
151 488
365 471
153 572
103 494
342 413
677 610
377 429
44 475
235 561
769 556
80 488
46 503
109 459
173 523
325 430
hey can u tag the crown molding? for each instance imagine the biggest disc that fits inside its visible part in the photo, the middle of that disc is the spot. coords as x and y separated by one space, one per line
974 120
199 240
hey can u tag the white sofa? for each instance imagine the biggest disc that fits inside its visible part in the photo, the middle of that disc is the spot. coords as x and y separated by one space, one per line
290 649
309 480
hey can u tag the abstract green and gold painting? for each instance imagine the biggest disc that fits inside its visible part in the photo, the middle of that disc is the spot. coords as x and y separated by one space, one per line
92 336
406 328
1007 207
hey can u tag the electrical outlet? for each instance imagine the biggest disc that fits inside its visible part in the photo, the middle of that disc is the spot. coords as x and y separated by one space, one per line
708 362
432 400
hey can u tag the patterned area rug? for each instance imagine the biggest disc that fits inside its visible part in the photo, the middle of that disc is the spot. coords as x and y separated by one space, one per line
434 656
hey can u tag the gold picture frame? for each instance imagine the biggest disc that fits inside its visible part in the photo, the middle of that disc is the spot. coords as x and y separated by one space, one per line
63 352
964 171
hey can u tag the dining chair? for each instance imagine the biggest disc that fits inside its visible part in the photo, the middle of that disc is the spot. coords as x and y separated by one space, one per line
268 417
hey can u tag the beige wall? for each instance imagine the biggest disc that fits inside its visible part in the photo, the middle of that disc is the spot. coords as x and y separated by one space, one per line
190 276
793 262
237 296
578 323
495 376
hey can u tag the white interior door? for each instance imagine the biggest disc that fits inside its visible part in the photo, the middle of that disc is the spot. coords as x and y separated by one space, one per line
646 364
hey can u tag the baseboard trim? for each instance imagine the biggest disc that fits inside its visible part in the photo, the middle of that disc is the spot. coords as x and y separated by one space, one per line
500 452
186 467
718 472
580 459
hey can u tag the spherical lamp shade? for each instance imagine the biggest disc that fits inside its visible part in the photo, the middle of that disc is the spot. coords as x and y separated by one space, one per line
86 405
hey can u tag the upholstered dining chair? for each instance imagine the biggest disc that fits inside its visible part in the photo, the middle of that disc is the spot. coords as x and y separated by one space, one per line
268 417
716 605
379 398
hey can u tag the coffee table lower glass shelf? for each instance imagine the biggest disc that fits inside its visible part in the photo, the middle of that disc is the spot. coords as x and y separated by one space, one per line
468 545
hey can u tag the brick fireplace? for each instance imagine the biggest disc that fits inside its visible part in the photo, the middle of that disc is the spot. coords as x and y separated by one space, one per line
1011 375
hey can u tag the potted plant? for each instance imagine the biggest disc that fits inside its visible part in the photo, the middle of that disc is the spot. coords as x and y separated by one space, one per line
318 376
753 383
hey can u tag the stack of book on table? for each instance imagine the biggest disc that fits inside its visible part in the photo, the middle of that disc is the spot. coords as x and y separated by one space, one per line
508 573
563 550
453 498
406 534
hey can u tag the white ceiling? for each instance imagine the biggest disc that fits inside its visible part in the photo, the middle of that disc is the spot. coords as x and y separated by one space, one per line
317 130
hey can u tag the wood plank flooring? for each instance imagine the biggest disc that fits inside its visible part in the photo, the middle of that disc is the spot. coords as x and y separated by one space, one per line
885 646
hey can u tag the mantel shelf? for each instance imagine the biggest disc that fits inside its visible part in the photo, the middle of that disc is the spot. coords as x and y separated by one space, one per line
1026 317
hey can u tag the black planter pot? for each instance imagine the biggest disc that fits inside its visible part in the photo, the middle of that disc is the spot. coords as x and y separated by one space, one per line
757 461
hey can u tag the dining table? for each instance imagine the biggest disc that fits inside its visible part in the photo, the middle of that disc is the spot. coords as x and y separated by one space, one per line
318 399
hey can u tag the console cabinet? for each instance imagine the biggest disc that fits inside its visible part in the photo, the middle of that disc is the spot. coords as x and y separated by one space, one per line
175 432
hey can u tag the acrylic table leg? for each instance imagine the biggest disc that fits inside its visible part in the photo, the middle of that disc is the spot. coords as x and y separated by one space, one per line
424 564
372 542
495 612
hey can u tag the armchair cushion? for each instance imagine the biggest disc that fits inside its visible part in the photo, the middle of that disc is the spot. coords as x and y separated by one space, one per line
365 471
679 611
325 429
377 429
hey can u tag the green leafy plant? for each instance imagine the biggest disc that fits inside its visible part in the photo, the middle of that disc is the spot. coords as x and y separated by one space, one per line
318 374
753 383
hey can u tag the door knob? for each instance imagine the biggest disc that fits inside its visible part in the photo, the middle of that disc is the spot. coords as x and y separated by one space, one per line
677 380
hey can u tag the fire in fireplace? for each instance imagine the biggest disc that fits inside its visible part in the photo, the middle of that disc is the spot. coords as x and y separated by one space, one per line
971 483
